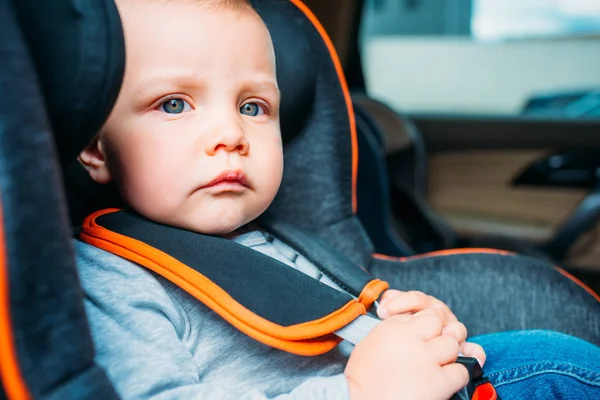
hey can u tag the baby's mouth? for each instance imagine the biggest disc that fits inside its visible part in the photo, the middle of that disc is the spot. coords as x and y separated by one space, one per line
228 181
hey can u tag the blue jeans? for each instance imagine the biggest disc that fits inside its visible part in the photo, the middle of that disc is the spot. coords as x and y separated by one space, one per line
540 364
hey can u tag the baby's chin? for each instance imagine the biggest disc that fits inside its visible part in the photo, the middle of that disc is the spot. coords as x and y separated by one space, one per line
217 229
221 222
217 226
224 230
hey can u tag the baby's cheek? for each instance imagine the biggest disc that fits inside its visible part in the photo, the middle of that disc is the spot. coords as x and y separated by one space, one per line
270 164
153 196
274 178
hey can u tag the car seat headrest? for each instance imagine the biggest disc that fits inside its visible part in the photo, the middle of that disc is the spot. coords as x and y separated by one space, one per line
296 77
79 53
318 191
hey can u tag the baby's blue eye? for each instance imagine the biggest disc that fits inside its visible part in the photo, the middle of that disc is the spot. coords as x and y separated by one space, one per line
252 109
175 106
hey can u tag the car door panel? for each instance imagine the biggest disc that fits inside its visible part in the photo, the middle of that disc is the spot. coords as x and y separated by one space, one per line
473 163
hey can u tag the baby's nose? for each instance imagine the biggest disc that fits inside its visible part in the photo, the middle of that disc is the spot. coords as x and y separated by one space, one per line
230 140
242 147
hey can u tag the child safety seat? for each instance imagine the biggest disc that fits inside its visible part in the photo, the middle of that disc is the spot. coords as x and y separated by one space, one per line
314 210
318 200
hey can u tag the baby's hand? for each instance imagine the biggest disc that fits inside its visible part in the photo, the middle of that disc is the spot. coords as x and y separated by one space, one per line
406 356
394 302
397 302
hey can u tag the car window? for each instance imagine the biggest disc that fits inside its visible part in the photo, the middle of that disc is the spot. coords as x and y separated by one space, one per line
509 57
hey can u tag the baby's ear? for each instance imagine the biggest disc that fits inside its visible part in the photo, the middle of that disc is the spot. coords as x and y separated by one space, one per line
93 159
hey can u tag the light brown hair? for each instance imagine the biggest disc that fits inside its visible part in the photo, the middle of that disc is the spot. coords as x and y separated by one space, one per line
235 5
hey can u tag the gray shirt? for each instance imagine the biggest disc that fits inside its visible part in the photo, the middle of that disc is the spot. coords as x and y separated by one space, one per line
156 341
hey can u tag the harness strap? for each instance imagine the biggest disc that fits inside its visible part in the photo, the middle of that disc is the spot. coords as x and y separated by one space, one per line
325 257
356 330
211 269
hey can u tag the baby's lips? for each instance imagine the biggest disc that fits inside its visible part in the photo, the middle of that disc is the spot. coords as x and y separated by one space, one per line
236 175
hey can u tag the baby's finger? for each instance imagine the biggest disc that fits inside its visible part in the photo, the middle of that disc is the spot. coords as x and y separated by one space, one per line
456 377
457 330
390 294
473 350
401 318
427 324
403 302
444 349
440 312
439 304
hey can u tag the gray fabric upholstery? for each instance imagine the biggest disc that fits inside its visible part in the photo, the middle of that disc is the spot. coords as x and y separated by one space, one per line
350 239
491 292
316 191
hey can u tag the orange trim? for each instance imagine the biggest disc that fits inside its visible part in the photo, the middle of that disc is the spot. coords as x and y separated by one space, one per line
387 258
309 338
482 251
485 392
340 72
372 291
577 281
12 380
444 253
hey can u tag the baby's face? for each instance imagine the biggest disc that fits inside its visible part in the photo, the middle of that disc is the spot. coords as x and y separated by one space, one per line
194 139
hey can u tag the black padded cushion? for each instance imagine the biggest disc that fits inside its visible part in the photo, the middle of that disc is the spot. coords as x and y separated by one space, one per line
51 337
248 276
78 50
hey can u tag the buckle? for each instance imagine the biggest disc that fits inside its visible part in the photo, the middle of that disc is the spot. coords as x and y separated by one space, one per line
479 386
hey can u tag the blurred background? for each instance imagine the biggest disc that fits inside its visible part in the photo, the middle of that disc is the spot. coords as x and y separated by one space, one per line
486 114
484 56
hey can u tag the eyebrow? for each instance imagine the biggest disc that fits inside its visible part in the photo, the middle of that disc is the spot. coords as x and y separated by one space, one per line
262 85
160 82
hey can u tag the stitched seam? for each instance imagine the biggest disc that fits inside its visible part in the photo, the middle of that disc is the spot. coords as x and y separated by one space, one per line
581 374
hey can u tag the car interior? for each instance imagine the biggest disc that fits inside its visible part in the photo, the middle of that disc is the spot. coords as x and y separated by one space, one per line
518 176
400 182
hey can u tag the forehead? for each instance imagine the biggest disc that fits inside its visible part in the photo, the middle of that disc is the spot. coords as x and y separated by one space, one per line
203 38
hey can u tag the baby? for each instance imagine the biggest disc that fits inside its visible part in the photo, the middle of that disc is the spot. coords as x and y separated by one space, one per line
194 142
